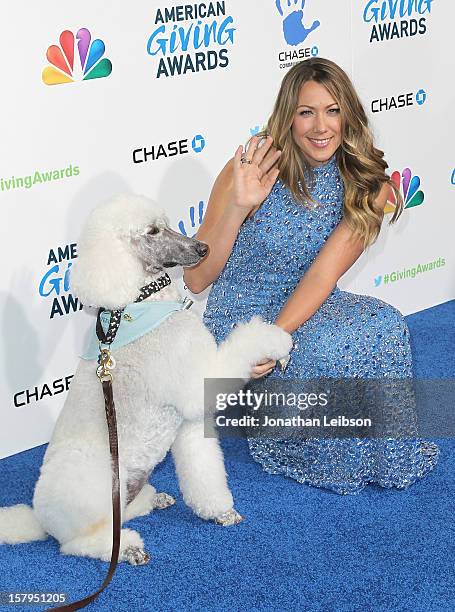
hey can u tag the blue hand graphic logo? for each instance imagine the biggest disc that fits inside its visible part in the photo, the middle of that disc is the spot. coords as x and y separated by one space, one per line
192 211
294 30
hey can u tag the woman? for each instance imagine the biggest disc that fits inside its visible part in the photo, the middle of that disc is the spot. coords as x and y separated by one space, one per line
284 223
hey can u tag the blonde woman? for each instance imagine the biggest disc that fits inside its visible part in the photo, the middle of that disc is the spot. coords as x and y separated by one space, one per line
287 217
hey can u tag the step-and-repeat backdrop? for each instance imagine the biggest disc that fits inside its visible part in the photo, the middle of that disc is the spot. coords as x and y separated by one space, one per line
154 97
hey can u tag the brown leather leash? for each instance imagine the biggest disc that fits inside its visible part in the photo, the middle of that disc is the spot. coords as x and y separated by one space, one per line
103 372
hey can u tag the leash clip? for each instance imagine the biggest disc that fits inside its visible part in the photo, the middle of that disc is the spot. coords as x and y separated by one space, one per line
106 364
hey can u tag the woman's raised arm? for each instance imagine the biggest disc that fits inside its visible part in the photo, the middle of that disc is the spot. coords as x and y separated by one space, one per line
239 188
219 230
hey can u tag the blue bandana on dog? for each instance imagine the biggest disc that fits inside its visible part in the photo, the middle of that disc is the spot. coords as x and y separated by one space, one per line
136 320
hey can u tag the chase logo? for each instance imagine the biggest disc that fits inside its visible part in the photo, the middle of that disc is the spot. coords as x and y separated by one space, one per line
396 18
198 143
169 149
65 69
400 101
295 32
421 97
44 391
410 189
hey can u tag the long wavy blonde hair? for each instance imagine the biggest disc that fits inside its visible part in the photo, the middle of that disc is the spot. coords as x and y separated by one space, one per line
361 164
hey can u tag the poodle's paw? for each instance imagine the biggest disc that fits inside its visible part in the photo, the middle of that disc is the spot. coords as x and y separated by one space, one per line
228 518
258 340
273 340
135 556
163 500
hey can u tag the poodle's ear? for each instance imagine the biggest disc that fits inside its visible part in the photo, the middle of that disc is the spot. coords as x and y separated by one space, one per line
106 273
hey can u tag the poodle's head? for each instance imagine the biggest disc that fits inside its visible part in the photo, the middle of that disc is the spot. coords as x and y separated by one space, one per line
126 241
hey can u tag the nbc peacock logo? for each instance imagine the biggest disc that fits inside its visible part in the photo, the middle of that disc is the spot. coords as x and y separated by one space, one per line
410 189
64 66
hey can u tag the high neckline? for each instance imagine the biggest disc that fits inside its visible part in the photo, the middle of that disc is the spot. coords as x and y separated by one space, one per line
330 162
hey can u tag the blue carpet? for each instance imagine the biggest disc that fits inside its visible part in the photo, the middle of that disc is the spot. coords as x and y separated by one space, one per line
300 548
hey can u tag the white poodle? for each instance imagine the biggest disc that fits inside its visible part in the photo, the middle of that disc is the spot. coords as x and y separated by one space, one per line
158 386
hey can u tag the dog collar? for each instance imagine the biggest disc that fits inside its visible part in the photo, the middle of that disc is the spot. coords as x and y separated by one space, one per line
153 287
135 321
107 336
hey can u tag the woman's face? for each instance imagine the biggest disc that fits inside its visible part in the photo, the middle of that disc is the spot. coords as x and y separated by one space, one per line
317 123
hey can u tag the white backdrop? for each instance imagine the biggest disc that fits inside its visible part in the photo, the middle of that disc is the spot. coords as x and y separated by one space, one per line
67 146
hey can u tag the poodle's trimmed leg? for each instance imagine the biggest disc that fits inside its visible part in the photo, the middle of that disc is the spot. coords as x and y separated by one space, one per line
147 500
200 470
98 545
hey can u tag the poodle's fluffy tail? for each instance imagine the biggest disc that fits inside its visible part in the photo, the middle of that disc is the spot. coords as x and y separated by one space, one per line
18 524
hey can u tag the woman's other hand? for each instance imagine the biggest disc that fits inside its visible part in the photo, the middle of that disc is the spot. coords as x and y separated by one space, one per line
252 182
262 368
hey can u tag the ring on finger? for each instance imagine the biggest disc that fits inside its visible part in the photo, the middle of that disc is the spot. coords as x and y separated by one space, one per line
244 160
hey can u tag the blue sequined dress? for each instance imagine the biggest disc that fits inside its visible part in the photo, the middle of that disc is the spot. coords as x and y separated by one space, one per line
349 336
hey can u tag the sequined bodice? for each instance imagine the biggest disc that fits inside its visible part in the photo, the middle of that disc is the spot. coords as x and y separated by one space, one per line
275 247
